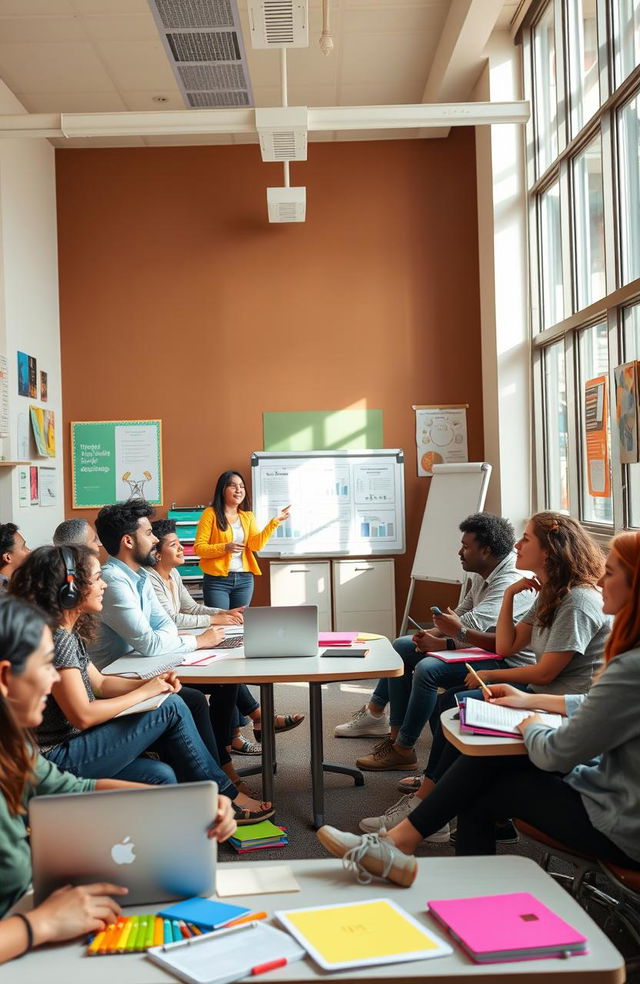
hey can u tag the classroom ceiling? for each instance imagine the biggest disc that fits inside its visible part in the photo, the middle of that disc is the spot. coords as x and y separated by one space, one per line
86 56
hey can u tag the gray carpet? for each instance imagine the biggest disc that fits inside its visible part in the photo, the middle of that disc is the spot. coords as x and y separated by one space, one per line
346 804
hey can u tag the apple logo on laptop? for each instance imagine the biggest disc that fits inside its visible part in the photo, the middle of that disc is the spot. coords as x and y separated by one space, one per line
123 853
280 632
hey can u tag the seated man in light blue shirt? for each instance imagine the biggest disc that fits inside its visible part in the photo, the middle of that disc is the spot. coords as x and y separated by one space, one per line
133 622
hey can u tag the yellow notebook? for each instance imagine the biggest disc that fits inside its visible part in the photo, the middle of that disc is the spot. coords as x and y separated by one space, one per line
367 637
360 933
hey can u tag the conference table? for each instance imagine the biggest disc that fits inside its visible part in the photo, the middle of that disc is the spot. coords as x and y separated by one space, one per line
381 661
323 882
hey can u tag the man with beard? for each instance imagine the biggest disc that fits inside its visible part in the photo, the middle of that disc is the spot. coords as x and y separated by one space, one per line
133 622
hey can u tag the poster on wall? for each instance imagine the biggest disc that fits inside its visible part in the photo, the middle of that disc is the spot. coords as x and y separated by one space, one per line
23 487
33 378
34 494
4 396
595 422
48 485
44 386
43 425
116 460
23 374
441 436
626 377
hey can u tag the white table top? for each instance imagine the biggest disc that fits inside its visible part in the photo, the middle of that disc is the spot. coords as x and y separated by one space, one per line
470 744
381 661
323 882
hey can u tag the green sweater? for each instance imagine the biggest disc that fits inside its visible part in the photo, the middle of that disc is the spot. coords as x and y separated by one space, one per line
15 854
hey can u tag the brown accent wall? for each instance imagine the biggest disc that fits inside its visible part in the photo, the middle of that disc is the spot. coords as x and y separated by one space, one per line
180 301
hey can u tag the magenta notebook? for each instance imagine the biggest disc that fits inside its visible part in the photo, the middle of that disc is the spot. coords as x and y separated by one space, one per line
336 638
493 928
473 730
472 655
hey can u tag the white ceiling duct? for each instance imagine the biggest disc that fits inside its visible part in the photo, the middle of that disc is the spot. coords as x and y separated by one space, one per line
287 204
279 23
283 133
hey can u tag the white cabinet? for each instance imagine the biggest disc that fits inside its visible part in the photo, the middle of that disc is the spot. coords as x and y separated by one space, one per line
303 583
364 596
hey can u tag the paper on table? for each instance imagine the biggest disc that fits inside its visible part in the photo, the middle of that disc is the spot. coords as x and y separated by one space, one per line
202 657
367 636
149 704
481 714
255 880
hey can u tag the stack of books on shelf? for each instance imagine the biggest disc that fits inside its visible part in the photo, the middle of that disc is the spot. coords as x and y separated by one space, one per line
258 837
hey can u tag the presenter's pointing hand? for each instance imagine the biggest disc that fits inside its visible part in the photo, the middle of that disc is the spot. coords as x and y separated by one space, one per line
284 514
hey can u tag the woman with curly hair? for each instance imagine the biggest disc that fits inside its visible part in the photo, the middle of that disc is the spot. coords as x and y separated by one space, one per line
578 784
82 731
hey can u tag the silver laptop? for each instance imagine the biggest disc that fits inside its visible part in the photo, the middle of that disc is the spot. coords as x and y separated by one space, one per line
281 631
154 841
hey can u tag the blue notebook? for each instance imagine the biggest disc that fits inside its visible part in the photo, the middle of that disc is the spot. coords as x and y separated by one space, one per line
204 913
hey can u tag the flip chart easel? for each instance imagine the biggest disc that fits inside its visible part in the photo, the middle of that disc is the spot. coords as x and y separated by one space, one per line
456 491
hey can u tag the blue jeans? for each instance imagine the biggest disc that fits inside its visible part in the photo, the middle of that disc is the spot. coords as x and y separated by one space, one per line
114 750
380 696
232 591
245 705
415 694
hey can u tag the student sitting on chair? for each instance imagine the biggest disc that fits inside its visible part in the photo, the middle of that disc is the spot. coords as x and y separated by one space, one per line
486 554
578 784
13 551
188 614
77 532
27 674
565 627
81 731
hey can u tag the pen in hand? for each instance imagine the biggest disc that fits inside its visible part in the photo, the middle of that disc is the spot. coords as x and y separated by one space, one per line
481 682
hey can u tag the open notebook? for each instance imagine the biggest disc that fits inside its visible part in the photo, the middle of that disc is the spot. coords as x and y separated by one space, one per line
479 715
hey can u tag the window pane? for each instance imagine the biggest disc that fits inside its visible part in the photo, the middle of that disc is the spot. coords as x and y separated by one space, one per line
629 132
588 210
551 256
545 92
631 324
626 32
582 49
595 430
556 433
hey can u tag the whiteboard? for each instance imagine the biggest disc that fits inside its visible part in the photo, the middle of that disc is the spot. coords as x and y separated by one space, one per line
456 491
342 502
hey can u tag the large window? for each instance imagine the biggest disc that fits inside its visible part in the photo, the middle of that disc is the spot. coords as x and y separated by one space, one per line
582 60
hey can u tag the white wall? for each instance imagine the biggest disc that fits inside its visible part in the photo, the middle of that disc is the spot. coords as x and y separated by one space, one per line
29 319
502 245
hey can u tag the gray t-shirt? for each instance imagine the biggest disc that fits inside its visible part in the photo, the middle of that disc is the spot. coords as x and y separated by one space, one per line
69 651
579 626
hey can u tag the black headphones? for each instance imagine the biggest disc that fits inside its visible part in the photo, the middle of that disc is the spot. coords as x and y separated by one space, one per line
68 594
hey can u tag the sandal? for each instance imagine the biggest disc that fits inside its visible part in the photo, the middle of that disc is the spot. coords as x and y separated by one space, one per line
246 747
243 816
291 721
242 787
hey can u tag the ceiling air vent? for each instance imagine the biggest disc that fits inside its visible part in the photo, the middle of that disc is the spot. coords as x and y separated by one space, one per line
279 23
287 204
203 41
282 133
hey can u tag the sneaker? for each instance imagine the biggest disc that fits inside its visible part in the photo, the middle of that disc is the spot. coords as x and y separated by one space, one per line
410 785
399 811
371 854
363 724
506 833
442 836
386 757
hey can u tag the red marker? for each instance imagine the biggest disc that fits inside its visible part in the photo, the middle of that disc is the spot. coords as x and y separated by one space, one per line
263 968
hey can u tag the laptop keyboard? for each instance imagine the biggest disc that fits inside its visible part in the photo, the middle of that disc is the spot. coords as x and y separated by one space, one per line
231 642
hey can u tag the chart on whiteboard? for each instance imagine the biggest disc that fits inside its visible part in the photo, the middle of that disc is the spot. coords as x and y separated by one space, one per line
337 505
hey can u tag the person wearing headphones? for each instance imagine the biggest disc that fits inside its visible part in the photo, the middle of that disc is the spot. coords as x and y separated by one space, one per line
82 731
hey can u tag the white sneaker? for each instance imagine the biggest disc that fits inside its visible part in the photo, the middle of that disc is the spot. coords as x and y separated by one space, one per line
364 724
399 811
440 836
371 854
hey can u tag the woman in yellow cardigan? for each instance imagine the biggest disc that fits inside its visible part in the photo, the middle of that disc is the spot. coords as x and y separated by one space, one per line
226 539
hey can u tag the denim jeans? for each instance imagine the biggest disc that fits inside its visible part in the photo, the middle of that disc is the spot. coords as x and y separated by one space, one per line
232 591
380 696
114 750
415 694
245 705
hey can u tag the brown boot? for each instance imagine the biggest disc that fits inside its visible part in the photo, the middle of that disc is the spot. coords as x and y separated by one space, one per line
388 757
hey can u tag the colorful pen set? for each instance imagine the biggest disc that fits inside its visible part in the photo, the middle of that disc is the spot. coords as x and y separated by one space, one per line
134 934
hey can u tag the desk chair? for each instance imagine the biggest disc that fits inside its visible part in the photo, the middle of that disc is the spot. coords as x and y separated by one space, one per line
584 864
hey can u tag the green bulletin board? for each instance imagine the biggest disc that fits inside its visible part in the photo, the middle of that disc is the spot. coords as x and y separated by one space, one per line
322 430
116 460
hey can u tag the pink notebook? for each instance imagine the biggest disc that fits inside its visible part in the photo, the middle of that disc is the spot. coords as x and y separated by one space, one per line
494 928
336 638
473 730
472 655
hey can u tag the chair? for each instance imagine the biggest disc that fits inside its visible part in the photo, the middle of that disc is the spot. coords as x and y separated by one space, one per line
625 910
584 864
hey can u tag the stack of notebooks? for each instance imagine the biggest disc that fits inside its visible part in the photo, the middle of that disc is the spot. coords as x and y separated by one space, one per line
258 837
482 718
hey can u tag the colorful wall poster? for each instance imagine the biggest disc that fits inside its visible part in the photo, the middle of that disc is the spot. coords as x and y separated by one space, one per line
116 460
441 436
33 378
34 493
23 374
626 377
597 446
43 425
44 386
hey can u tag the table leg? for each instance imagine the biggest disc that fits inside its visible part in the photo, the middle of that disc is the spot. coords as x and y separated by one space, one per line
268 740
317 764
